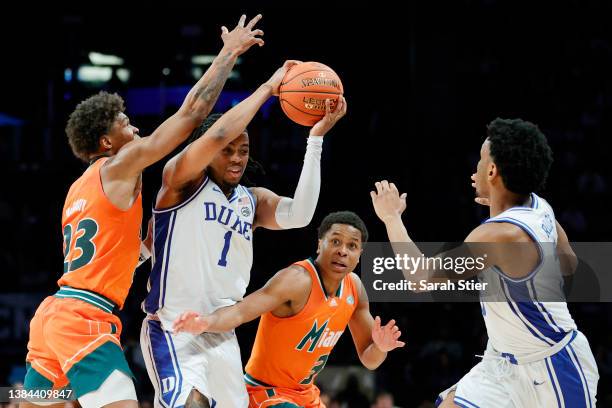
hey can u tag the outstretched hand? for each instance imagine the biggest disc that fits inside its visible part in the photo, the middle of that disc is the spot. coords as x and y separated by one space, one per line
387 201
386 337
242 37
191 322
329 120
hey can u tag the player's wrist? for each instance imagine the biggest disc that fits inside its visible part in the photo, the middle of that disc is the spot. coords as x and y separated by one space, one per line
378 348
268 88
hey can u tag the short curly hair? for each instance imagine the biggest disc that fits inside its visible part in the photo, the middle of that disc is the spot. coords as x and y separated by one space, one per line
343 217
91 119
521 152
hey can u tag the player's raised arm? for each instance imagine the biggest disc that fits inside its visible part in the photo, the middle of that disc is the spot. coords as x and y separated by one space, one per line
285 286
276 212
198 103
372 340
191 162
389 206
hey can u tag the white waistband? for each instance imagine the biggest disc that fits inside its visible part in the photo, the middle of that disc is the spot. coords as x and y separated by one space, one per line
537 356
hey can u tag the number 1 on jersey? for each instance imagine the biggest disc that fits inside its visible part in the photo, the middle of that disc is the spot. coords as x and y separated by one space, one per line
227 238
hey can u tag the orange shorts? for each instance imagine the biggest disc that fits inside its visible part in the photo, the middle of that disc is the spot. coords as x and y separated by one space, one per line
74 343
262 397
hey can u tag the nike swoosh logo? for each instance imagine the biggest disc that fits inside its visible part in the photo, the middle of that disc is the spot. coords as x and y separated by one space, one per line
537 383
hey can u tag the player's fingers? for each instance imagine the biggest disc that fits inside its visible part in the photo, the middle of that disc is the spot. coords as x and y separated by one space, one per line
399 344
377 322
327 107
254 21
394 329
397 334
393 187
257 32
378 185
391 323
385 185
224 30
403 196
241 21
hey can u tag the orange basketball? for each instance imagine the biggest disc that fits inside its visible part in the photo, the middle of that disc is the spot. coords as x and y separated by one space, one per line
303 91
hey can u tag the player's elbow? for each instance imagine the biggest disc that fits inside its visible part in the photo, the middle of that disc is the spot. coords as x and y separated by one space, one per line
370 365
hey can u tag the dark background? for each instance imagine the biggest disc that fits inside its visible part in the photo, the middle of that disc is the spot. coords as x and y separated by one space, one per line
421 83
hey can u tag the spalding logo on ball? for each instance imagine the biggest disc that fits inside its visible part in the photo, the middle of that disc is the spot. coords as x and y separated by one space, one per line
303 91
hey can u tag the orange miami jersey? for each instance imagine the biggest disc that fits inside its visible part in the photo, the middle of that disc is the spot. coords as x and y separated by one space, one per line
289 352
74 336
101 241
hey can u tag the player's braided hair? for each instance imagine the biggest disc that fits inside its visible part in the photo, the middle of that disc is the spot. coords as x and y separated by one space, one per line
90 120
253 166
521 152
343 217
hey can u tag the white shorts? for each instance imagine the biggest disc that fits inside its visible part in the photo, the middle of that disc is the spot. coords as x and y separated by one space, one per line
178 363
566 379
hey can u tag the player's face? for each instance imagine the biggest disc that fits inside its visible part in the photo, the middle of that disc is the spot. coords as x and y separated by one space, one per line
229 164
339 250
480 178
121 133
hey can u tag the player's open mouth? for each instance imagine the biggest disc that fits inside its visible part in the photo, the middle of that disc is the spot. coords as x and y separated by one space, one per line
236 171
338 265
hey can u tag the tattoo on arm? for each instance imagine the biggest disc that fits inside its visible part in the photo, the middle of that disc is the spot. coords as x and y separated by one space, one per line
206 95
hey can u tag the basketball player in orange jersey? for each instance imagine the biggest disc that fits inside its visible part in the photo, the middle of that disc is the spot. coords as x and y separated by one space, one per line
74 336
304 310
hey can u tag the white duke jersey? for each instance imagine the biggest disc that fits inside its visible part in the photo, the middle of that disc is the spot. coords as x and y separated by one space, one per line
203 252
521 327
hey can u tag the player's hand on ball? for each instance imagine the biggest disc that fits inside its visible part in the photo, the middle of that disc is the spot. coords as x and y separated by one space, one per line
386 337
191 322
242 37
329 120
276 78
387 201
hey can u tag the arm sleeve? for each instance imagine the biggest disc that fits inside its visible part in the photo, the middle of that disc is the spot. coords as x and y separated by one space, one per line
297 212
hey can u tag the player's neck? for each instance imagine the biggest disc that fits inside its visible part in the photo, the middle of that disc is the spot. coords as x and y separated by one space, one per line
94 157
503 199
330 285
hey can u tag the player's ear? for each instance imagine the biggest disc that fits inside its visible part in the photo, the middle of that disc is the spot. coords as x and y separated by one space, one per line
105 142
319 247
491 171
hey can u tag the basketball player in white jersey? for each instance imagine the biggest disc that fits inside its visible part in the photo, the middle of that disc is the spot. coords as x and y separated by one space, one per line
203 250
535 357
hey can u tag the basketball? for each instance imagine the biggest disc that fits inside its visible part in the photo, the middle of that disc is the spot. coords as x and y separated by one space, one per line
303 91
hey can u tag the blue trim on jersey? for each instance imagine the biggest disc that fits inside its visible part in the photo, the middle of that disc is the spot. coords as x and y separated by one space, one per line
184 203
464 403
511 305
552 382
234 194
543 308
180 384
148 334
569 379
583 377
252 197
519 290
533 236
534 201
167 257
165 362
439 400
160 234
